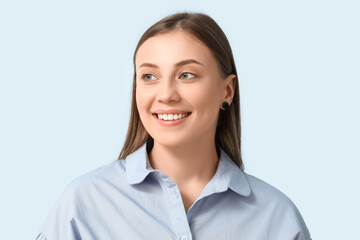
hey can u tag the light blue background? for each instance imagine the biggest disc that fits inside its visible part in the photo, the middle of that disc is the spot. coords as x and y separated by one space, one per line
66 72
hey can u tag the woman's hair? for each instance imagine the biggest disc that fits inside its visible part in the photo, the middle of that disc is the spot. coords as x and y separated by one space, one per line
205 29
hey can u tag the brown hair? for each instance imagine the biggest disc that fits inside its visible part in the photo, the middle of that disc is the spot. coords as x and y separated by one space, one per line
205 29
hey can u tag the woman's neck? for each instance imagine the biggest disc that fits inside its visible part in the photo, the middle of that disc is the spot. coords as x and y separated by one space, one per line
190 164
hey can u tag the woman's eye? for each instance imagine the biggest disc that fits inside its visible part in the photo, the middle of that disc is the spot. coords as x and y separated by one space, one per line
148 77
187 75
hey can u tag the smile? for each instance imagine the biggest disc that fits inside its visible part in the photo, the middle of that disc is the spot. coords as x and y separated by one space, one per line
171 117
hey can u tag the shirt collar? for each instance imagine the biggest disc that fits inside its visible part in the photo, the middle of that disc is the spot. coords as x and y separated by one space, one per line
228 174
138 165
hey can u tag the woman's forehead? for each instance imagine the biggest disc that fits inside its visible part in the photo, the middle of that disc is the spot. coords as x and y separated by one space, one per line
173 47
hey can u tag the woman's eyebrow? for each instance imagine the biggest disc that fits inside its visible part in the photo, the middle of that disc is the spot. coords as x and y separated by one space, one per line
188 61
148 65
179 64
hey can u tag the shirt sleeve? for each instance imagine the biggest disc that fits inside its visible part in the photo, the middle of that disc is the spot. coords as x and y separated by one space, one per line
61 223
291 223
298 223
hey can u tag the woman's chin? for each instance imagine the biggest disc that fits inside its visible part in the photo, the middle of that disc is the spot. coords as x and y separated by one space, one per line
171 142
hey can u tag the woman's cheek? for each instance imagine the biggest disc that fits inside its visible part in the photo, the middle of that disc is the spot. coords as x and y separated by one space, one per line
143 96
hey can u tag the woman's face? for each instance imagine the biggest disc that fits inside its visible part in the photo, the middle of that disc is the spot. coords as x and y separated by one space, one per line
179 89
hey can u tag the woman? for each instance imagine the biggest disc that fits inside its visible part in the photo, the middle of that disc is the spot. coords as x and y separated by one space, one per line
180 173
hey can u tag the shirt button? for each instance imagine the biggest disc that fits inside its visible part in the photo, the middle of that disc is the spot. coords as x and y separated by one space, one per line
184 238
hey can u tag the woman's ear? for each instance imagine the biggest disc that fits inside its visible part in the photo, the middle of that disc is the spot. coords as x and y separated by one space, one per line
230 84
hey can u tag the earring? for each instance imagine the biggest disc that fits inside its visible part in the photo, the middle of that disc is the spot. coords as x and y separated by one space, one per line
225 105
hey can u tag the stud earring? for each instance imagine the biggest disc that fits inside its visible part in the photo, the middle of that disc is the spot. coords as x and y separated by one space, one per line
225 105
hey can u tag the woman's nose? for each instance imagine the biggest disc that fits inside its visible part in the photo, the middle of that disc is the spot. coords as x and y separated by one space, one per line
168 91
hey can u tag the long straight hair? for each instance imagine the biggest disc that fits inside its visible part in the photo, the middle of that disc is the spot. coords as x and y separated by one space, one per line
205 29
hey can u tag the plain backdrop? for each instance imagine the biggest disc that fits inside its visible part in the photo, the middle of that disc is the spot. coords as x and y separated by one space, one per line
65 90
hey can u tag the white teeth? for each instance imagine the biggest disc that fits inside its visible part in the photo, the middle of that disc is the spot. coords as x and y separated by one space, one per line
171 117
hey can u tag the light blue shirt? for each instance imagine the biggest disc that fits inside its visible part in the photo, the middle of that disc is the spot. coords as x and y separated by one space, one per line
128 199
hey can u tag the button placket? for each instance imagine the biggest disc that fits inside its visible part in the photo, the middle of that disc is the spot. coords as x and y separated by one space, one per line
180 221
179 211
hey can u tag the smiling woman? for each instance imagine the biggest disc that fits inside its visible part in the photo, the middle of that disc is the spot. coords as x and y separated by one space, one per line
180 85
180 174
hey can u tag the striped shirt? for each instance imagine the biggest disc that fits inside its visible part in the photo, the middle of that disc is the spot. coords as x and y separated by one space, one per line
128 199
